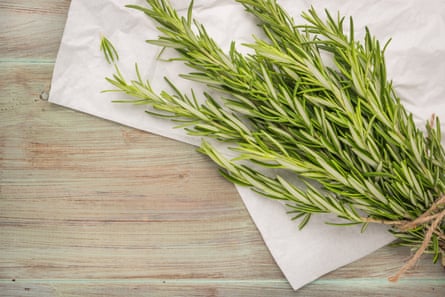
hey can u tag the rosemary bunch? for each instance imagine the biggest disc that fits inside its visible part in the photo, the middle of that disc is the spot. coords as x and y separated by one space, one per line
336 124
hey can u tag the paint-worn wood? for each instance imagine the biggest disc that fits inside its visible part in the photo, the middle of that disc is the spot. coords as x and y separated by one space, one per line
31 29
92 208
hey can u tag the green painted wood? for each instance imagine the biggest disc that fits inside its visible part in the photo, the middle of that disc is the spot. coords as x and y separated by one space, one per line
92 208
211 288
31 29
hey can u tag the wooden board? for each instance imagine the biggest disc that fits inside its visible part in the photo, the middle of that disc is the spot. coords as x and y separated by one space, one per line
93 208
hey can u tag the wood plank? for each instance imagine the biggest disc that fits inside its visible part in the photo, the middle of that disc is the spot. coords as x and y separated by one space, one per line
31 30
154 288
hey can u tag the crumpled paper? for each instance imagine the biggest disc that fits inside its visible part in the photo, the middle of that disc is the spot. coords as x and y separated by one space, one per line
415 60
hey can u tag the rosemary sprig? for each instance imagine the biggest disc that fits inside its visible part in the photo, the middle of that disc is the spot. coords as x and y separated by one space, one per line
210 119
340 129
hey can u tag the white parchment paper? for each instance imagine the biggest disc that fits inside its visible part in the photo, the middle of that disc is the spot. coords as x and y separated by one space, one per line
415 60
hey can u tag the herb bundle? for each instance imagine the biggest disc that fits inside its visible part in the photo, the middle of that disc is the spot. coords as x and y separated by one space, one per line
310 101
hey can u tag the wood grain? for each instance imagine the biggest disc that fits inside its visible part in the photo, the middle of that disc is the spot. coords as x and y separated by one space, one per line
212 289
31 29
92 208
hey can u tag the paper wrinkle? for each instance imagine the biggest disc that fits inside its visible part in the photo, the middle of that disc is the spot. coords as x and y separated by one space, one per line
415 62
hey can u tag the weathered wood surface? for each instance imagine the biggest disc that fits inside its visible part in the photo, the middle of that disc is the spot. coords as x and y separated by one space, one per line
92 208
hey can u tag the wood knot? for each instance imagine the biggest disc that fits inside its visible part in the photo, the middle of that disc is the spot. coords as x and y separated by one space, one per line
44 95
